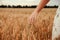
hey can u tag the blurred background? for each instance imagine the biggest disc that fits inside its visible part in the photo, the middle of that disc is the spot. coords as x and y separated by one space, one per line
25 3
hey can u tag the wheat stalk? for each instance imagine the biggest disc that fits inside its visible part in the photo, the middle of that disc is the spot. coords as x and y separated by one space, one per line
28 31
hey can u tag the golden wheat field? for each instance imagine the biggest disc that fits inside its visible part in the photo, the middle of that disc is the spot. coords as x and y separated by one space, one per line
14 24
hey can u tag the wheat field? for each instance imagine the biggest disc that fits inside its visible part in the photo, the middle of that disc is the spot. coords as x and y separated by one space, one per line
14 24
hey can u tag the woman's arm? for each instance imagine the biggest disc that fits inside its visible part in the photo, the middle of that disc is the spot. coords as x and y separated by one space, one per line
41 5
33 16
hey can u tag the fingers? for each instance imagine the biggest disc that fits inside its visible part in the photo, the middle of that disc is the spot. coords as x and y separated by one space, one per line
30 20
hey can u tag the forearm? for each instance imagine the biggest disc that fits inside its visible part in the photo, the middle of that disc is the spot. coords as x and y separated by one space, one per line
41 5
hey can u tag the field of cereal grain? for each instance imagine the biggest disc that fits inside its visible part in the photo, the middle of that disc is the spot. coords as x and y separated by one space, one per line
14 24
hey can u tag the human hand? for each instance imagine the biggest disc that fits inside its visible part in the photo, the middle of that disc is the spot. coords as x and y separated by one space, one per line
32 18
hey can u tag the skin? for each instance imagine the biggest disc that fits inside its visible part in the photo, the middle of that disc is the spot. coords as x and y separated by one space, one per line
33 16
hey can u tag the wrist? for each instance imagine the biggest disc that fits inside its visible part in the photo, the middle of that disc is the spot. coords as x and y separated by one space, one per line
36 11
